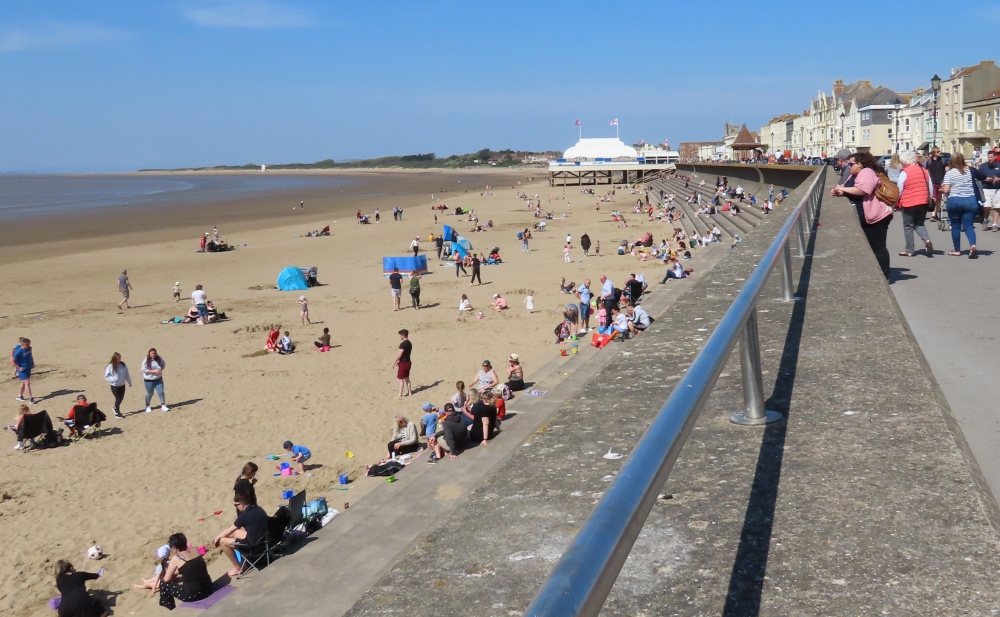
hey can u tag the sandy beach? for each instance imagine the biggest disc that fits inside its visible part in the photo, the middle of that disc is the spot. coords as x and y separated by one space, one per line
154 474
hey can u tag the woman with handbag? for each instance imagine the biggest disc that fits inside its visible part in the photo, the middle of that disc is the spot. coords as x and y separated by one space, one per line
874 215
960 187
915 191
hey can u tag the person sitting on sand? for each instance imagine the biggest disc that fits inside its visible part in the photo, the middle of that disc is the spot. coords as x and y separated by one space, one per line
486 379
452 436
249 528
405 438
567 289
192 315
153 583
458 398
464 307
186 576
246 480
323 344
498 303
515 373
285 344
75 600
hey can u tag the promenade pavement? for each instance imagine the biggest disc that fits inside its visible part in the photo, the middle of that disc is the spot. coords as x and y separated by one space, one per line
864 501
953 306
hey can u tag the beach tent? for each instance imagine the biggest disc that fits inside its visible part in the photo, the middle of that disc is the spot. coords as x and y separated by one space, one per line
461 246
292 279
449 234
405 264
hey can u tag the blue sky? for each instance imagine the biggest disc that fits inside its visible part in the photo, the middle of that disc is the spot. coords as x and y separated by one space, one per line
117 86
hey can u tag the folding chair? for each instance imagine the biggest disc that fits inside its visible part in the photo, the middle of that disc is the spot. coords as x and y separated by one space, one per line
33 425
254 555
87 420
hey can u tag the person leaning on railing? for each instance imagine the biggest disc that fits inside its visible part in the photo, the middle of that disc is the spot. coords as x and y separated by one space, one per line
874 215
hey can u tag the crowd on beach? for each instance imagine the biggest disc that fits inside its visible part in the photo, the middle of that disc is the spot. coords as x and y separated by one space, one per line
471 417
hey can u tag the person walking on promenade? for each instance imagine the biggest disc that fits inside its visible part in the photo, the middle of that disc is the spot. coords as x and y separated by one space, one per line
24 361
894 168
915 191
585 244
403 363
936 168
873 215
396 287
116 374
125 287
991 190
959 186
152 378
476 274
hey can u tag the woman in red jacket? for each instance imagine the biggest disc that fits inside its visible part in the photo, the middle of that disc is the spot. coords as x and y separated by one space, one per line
915 191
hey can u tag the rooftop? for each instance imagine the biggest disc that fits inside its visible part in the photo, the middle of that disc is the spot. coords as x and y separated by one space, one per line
599 148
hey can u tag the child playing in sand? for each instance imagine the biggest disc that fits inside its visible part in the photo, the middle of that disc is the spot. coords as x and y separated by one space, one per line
300 454
177 291
305 309
162 554
597 248
529 303
285 345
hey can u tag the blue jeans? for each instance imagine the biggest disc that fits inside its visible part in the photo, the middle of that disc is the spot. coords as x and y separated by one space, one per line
155 384
202 311
962 212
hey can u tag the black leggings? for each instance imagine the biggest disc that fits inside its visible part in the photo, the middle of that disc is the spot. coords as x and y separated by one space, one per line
119 393
413 447
876 234
415 297
171 590
476 275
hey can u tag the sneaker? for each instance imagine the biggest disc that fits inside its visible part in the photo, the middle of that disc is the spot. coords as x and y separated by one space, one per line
432 459
32 401
20 398
18 445
119 415
164 408
148 410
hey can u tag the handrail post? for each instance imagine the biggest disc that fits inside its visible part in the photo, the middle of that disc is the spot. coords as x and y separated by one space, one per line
802 236
753 379
787 291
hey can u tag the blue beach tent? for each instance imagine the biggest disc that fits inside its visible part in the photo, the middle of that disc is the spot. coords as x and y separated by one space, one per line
461 246
449 234
292 279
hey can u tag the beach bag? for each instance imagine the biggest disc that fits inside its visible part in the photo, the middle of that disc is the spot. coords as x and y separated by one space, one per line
887 192
389 468
316 507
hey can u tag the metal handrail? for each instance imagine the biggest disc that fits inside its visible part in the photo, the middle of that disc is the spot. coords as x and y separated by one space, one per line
580 583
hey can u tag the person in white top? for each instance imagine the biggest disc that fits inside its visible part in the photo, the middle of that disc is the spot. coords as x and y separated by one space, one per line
200 300
415 246
569 239
152 377
464 307
116 374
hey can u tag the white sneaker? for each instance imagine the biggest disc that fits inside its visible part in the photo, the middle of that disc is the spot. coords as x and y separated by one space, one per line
18 446
148 410
164 408
19 398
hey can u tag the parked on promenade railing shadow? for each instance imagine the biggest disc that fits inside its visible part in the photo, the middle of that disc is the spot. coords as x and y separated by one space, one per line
746 581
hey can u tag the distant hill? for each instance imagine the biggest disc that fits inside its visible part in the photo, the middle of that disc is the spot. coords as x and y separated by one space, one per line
484 157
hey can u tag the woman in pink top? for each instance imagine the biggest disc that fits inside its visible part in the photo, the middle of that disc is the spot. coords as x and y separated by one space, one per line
874 215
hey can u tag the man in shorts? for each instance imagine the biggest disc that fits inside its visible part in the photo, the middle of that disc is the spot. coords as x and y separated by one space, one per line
991 190
124 286
583 293
396 286
403 364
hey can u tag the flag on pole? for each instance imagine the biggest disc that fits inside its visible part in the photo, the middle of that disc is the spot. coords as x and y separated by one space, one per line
614 122
577 123
640 142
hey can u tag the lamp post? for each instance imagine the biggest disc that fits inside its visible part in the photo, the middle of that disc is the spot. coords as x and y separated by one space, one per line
895 117
935 86
843 140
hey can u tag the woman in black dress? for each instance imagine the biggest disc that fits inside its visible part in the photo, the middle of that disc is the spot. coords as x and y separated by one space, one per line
75 601
186 577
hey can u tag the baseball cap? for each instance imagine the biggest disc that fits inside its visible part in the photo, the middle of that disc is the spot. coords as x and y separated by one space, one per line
163 552
427 407
177 282
496 295
843 155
